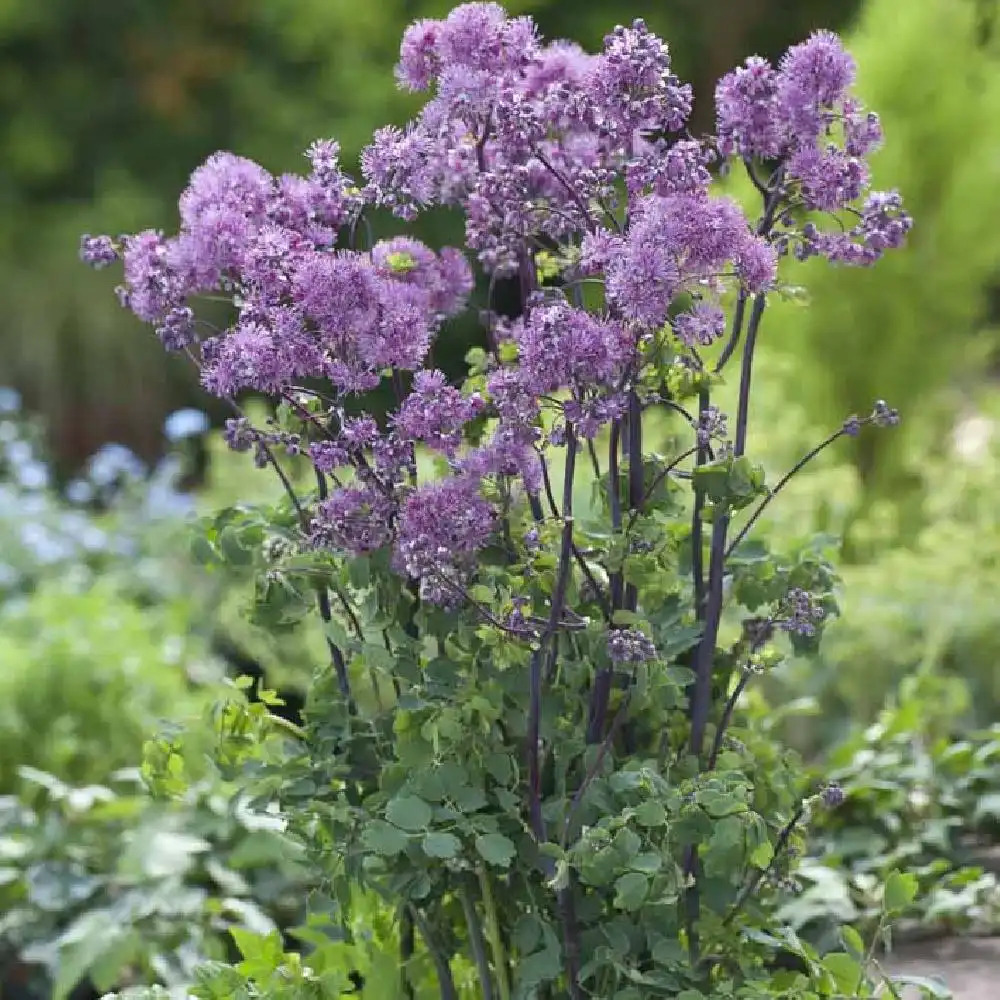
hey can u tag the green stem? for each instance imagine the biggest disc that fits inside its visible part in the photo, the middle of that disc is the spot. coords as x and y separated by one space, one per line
493 934
476 941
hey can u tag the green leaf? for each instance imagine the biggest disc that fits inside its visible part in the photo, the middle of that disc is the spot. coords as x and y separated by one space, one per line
409 813
441 845
900 891
650 813
845 969
496 849
232 548
852 941
384 838
631 890
930 987
649 862
762 855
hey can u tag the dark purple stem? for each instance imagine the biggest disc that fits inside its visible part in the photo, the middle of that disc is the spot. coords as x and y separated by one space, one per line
539 655
780 485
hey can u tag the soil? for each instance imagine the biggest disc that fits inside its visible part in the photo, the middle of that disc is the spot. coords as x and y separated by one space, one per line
969 967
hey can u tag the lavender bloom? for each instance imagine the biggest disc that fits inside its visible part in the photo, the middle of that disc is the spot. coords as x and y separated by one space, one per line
153 286
677 241
629 645
631 85
746 122
442 527
238 434
97 251
562 346
800 613
802 113
176 331
832 796
354 519
813 77
701 325
711 424
435 413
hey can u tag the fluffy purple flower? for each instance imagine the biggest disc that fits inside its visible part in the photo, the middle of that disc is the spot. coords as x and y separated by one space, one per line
812 77
746 121
97 251
509 454
446 278
829 178
176 331
677 241
454 282
562 346
701 325
248 358
442 527
801 613
631 86
354 519
435 412
418 59
630 646
225 182
328 456
664 169
153 288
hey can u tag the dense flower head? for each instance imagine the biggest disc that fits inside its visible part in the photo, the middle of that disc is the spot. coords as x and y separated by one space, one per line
355 519
677 241
436 413
527 138
701 325
442 527
803 115
562 346
631 86
97 251
629 645
541 146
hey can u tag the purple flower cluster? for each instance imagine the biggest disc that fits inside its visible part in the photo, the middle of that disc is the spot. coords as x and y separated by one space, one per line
531 141
802 115
529 138
800 613
629 645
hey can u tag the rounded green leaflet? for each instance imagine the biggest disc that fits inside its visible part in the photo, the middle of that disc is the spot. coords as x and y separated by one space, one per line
441 845
496 849
409 813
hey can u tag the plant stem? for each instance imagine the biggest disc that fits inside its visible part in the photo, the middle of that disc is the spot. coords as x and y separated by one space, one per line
406 949
697 522
780 845
746 371
539 655
323 602
476 941
494 935
727 715
781 484
571 938
446 982
635 477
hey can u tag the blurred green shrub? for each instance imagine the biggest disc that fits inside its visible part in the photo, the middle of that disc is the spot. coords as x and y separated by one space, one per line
916 799
102 883
86 676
